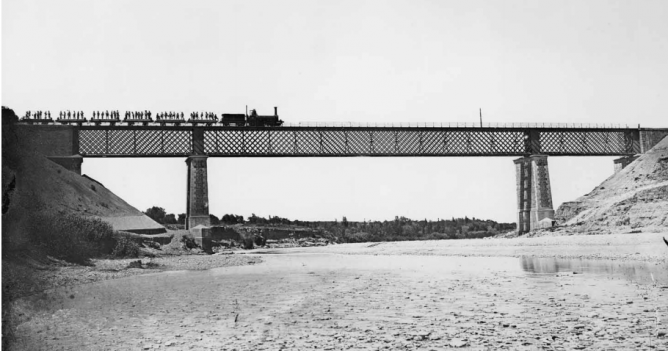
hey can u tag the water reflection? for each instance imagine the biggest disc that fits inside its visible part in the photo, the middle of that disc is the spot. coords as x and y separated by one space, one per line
640 272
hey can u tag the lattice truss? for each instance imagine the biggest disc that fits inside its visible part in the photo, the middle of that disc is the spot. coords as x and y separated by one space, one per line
358 141
370 142
587 143
135 142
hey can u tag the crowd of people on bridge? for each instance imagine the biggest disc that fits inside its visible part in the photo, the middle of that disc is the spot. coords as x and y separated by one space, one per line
138 115
38 115
70 115
169 116
203 116
102 115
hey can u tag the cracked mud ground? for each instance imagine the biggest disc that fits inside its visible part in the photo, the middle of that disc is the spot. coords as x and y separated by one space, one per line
334 302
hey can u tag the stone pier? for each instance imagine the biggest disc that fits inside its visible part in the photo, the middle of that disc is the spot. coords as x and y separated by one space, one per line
197 202
534 196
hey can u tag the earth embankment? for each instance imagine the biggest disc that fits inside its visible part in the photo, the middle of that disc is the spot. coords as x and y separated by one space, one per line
634 199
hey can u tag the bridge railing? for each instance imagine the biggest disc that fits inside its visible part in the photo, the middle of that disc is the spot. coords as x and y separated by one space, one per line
368 124
458 125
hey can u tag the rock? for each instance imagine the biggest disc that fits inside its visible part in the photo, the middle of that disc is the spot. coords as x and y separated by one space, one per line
458 343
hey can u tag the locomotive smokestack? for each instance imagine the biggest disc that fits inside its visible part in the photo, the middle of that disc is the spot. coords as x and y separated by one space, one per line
275 111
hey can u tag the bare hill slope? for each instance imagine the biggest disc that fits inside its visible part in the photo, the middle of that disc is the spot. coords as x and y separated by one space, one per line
636 198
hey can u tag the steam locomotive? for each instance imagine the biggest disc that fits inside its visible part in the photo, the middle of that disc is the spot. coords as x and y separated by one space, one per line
251 120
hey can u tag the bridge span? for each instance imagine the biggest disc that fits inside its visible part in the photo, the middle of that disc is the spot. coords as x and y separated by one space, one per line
69 144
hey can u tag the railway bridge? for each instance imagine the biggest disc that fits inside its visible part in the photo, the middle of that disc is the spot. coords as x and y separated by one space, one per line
67 144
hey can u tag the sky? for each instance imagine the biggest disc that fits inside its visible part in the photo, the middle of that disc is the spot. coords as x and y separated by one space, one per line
344 61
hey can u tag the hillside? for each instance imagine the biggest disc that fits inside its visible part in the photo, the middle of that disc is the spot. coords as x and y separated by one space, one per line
634 199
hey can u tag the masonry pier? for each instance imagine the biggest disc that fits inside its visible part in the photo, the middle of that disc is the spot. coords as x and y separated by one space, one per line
534 196
197 205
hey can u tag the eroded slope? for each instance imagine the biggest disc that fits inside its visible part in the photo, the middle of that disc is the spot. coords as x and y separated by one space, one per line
635 198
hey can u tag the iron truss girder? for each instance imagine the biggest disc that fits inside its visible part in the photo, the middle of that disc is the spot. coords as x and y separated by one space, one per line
219 141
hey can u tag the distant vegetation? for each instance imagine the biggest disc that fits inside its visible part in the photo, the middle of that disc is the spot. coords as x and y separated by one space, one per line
403 229
400 229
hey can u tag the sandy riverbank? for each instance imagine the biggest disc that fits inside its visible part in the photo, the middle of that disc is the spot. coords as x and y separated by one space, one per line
638 247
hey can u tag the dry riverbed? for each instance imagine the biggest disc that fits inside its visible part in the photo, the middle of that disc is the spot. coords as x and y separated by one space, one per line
385 296
627 247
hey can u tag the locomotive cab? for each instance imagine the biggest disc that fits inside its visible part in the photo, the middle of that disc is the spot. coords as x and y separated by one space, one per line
255 120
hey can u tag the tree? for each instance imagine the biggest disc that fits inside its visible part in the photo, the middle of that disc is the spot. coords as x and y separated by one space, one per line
344 221
156 213
182 218
214 220
170 219
8 116
231 219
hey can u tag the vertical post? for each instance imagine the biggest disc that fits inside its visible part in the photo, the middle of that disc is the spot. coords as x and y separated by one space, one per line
632 142
75 141
532 142
198 141
345 135
371 149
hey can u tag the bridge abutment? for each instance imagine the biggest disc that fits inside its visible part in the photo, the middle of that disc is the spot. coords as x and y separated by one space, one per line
622 162
534 196
197 206
71 163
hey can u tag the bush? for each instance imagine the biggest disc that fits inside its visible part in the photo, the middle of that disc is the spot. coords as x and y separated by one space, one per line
188 241
248 243
69 237
260 240
126 247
